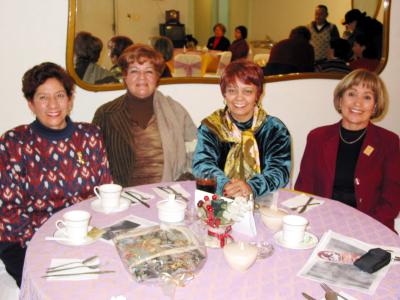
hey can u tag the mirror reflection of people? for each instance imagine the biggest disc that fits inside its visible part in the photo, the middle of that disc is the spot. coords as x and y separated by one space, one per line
116 45
87 50
336 61
354 161
322 32
218 41
358 23
292 55
244 148
148 136
364 54
47 165
239 47
165 46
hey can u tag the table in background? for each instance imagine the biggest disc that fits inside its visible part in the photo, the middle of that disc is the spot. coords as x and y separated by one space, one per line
209 59
272 278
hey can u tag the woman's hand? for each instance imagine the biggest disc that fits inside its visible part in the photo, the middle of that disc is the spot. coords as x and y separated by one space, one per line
236 188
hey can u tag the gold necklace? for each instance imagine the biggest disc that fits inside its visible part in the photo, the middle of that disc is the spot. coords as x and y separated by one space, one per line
352 142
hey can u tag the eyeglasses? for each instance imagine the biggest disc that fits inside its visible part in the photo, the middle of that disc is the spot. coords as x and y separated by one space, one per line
230 91
44 99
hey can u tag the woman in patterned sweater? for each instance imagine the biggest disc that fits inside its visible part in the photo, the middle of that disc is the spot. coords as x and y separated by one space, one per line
47 165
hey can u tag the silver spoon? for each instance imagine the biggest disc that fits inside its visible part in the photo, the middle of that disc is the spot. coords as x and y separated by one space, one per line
84 262
70 268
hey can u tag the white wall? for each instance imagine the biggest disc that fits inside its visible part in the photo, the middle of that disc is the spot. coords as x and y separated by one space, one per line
35 31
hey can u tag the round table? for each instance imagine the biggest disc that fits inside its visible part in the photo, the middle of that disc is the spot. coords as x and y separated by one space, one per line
271 278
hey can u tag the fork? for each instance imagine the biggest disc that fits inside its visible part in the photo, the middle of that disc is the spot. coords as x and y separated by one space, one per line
169 189
70 268
329 291
297 207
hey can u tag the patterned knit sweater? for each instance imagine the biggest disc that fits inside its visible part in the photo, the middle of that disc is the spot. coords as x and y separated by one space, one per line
43 171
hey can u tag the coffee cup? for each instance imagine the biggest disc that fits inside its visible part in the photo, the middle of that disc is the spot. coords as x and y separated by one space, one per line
109 195
294 228
74 225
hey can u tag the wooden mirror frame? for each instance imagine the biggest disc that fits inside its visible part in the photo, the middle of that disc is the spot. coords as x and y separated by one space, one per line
183 80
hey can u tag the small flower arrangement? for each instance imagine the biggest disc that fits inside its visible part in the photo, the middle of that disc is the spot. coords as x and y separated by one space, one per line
218 212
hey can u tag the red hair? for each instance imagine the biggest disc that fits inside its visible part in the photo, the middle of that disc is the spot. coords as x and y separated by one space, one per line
244 71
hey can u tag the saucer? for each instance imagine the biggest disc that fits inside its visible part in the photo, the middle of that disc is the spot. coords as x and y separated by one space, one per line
60 234
123 205
310 240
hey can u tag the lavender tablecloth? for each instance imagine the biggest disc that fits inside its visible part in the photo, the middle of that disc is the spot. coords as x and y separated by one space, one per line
272 278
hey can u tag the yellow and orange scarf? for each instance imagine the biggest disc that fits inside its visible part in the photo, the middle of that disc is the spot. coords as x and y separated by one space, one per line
243 160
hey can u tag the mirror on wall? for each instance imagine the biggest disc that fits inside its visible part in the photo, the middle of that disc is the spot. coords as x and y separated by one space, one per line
267 22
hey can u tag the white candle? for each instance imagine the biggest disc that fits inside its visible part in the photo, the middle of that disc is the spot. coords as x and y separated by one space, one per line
240 255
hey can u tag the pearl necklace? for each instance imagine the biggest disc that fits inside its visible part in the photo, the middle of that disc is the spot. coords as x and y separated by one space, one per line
352 142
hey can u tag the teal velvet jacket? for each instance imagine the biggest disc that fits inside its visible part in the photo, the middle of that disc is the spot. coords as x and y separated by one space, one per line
274 146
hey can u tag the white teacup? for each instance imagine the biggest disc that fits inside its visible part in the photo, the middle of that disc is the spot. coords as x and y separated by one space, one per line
74 225
109 195
294 228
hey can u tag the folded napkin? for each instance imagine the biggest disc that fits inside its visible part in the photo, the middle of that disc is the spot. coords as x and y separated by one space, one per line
300 200
246 225
177 187
82 269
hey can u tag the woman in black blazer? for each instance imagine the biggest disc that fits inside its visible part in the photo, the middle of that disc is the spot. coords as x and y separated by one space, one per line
218 41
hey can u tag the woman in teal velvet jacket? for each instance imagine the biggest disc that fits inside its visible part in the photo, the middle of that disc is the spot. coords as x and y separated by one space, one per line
246 150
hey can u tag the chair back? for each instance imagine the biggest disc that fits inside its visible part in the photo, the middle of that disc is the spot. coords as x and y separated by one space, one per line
225 59
187 65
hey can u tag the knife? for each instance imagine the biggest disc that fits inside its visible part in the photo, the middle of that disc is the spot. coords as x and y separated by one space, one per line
137 198
305 205
74 274
308 297
75 267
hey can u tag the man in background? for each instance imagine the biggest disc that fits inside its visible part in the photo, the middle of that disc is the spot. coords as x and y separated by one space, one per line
322 33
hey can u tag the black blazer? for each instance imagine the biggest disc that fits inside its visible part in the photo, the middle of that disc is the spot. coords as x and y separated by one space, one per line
223 44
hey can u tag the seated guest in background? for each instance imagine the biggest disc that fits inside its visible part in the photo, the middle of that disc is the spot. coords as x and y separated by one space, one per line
116 46
165 46
218 41
358 23
244 148
355 161
336 61
322 33
190 41
364 55
47 165
292 55
87 49
148 136
239 47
